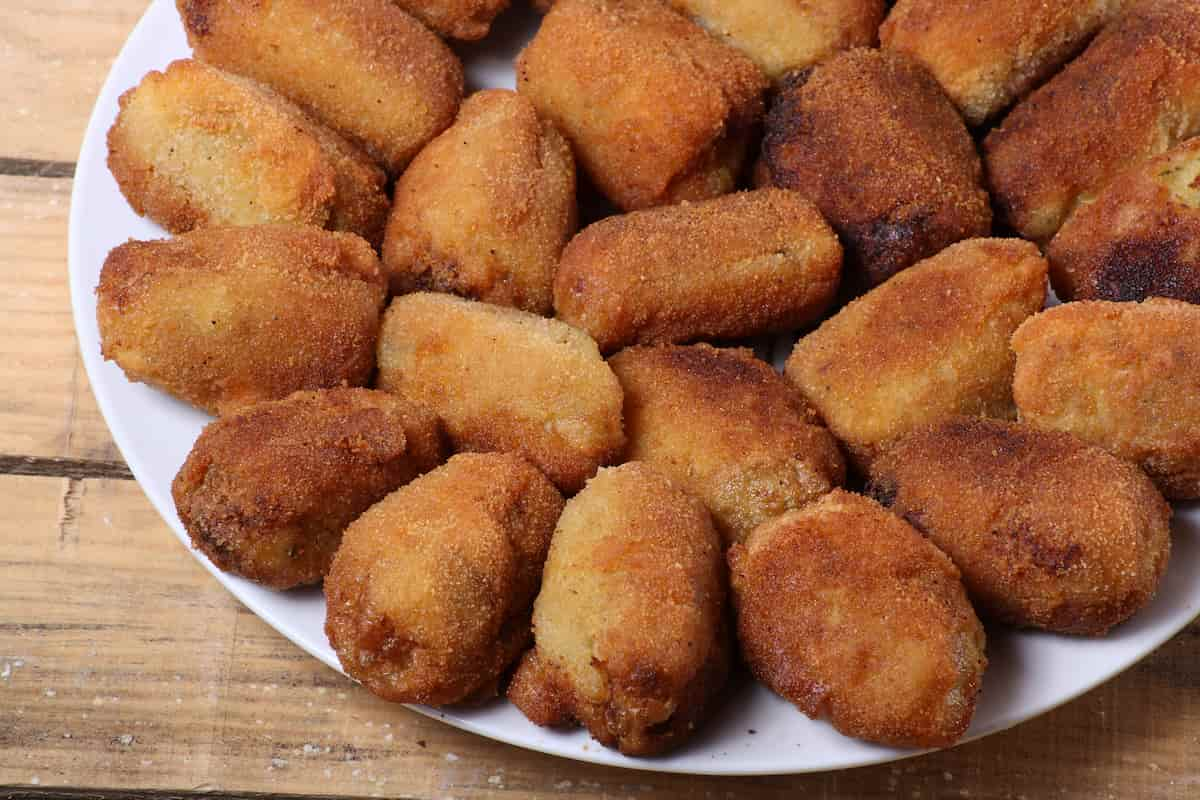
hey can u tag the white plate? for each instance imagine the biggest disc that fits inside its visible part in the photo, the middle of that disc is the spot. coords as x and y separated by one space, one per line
1029 672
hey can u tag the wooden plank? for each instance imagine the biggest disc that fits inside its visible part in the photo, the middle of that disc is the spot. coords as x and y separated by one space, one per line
48 410
123 664
56 54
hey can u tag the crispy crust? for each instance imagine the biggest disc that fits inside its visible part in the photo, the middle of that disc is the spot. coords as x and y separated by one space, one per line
848 613
485 209
984 64
929 343
1139 238
457 19
729 429
226 317
429 596
194 146
648 123
1049 532
506 380
267 492
363 67
629 626
873 141
741 265
1133 94
1123 376
784 35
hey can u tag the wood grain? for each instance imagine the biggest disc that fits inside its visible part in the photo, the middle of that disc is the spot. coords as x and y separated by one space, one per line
139 671
46 409
55 55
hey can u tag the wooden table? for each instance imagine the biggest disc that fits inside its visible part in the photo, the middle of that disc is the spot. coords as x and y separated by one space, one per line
124 666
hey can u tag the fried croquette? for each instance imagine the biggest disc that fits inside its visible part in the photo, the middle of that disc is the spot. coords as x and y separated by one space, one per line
363 67
1049 532
847 612
467 20
930 343
505 380
1122 376
1139 238
988 53
729 429
195 146
629 630
1134 93
872 140
229 316
657 110
741 265
485 209
785 35
428 599
266 492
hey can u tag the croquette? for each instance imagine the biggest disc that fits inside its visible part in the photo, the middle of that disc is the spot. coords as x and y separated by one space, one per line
1048 531
505 380
195 146
785 35
737 266
1140 236
228 316
1122 376
363 67
847 612
630 637
657 110
428 600
988 53
728 428
467 20
485 210
266 492
874 142
1133 94
930 343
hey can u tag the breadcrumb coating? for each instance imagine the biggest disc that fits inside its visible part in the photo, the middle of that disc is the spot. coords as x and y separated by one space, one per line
505 380
851 615
266 492
988 53
657 110
468 20
629 627
195 146
1122 376
485 210
930 343
1140 236
1048 531
785 35
225 317
363 67
741 265
729 429
1134 93
428 600
872 140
